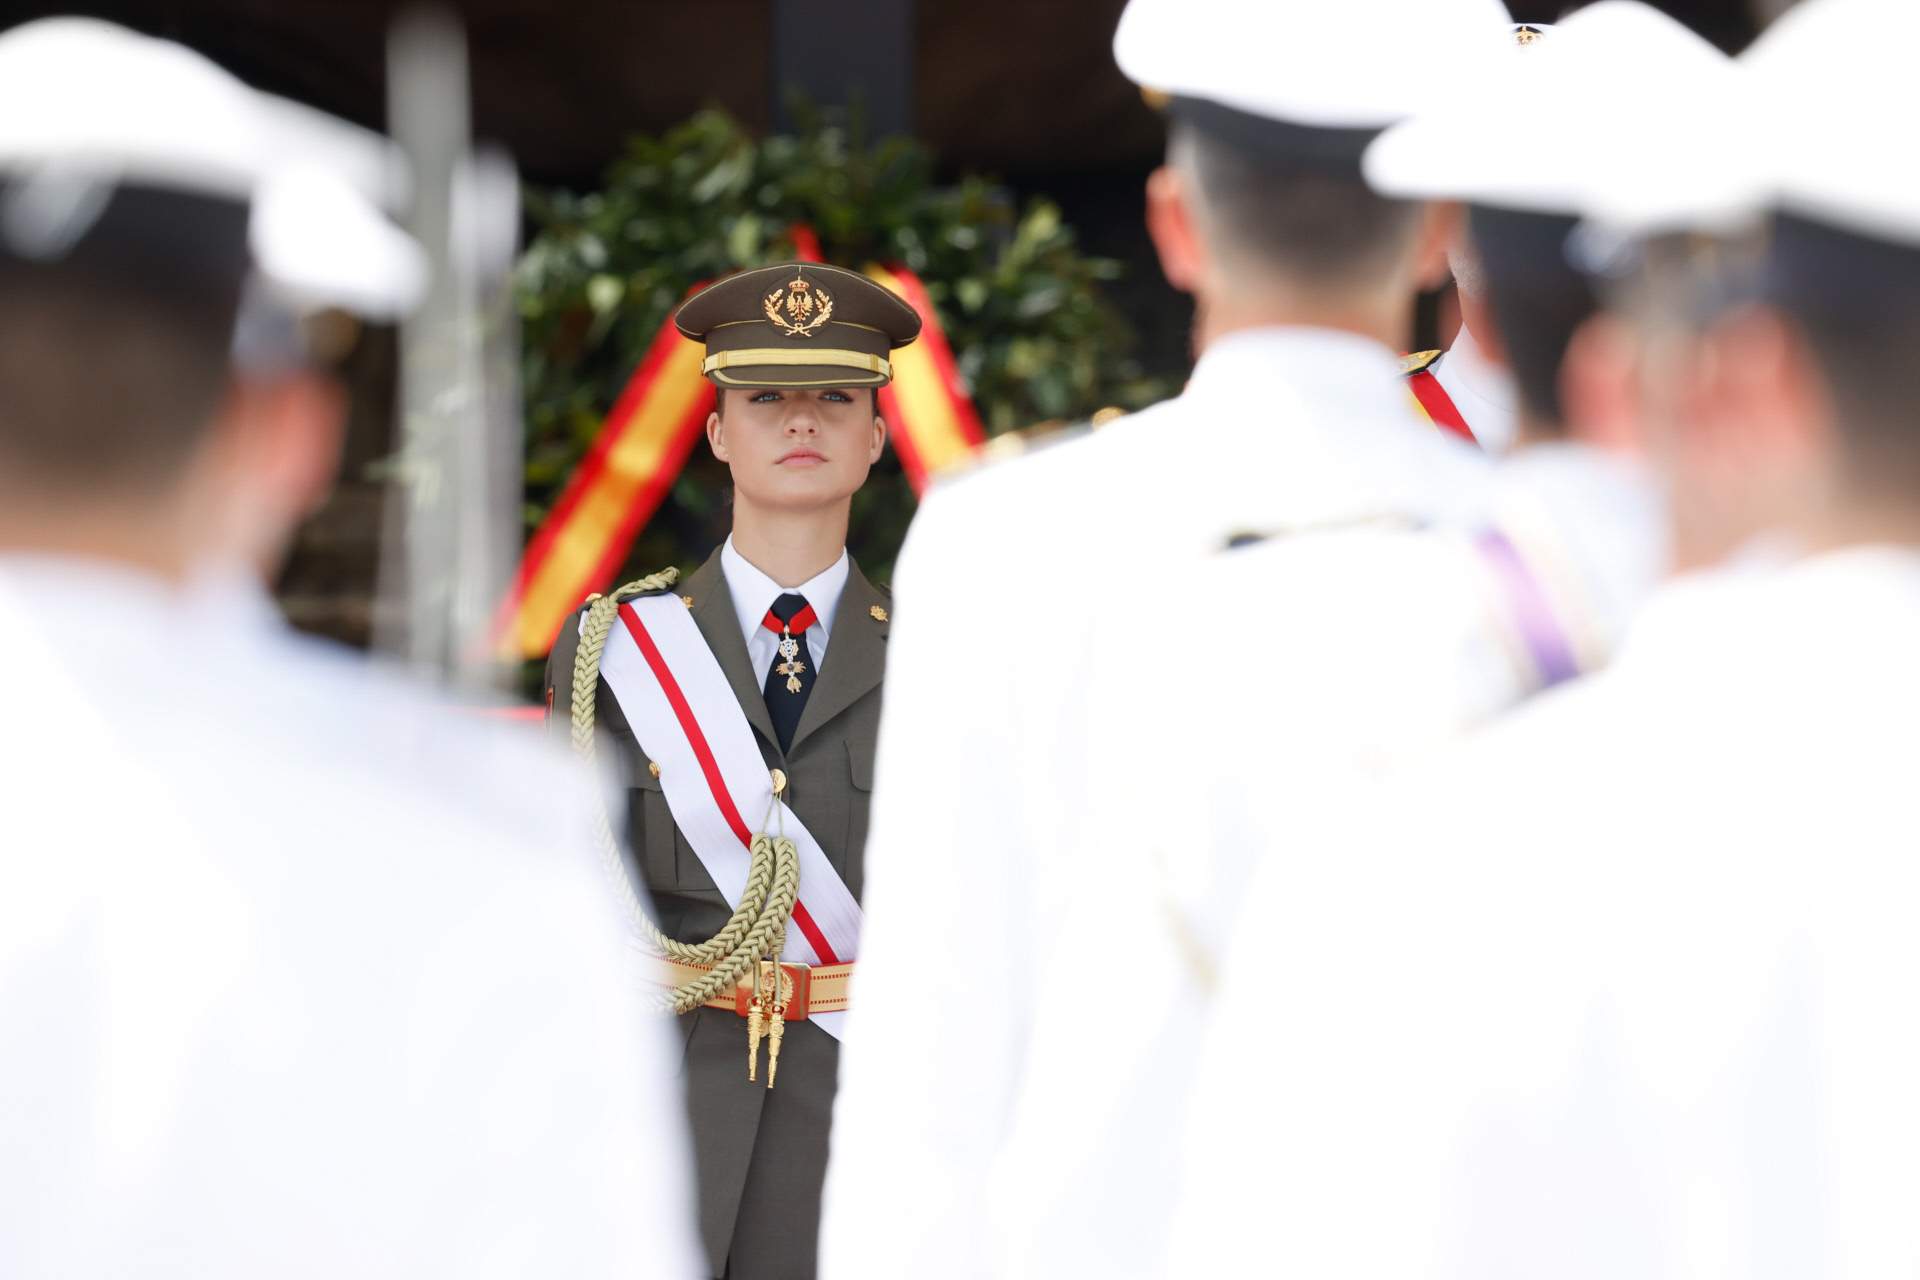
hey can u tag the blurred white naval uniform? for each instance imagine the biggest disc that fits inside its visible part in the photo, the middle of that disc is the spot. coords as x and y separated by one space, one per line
298 975
1025 571
1619 986
1317 653
1311 655
1616 989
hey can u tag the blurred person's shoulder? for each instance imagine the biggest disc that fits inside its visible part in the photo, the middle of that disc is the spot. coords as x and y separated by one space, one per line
1036 458
1051 476
387 731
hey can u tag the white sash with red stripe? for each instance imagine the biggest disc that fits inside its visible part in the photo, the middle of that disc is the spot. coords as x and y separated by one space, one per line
684 713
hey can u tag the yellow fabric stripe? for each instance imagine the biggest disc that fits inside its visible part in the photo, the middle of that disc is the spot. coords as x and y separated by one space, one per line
926 403
793 356
643 441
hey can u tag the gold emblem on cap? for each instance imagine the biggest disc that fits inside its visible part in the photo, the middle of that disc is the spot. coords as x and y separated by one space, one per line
1526 35
878 614
798 309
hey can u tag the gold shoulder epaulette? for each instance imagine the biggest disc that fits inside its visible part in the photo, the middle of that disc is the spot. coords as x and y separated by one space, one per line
1418 362
653 584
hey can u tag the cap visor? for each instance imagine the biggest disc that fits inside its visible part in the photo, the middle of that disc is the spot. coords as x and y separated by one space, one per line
772 375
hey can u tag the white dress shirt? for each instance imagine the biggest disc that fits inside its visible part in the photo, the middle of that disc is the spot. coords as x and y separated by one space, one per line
300 974
942 1164
1621 987
1481 390
754 592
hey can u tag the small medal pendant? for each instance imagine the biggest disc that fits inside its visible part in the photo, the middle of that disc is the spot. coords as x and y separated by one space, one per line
791 667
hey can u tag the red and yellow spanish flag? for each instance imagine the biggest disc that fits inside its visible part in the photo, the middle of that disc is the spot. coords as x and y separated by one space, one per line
644 444
933 419
620 483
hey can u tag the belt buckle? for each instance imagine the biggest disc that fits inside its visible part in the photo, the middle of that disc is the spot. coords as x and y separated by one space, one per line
799 983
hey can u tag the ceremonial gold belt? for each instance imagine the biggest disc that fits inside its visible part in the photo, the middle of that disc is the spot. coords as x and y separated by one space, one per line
808 989
768 996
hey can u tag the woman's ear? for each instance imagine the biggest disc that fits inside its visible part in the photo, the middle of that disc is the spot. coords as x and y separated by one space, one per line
717 437
879 435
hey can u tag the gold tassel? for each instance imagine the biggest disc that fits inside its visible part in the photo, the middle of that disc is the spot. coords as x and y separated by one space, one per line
754 1032
773 1040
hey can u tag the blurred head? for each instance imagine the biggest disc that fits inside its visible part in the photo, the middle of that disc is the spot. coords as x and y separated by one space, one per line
1536 300
121 407
1800 404
797 449
1760 384
162 228
1242 217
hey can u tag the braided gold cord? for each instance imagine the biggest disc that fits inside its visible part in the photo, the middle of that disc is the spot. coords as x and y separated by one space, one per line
758 927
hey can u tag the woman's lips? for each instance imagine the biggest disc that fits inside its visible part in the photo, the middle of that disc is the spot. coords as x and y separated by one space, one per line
801 458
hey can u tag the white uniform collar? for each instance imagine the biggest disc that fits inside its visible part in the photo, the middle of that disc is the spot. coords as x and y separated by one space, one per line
1479 375
1315 423
1482 390
754 592
1300 357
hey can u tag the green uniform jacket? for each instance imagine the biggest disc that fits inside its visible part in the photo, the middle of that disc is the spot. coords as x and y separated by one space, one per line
761 1154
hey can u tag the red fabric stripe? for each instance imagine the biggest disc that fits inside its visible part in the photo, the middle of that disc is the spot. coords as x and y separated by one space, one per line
800 621
806 245
1439 405
711 768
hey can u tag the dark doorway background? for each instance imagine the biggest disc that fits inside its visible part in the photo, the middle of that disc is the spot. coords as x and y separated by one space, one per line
1024 90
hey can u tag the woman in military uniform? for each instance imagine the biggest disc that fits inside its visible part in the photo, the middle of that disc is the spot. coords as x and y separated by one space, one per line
778 677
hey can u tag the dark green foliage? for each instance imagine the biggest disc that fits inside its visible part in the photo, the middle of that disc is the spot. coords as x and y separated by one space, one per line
1022 306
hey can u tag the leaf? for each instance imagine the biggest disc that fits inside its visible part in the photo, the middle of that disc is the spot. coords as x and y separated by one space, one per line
744 239
604 293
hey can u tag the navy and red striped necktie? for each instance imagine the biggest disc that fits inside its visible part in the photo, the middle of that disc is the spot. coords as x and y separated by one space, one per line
790 679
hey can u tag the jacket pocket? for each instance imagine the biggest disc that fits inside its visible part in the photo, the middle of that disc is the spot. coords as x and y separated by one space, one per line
860 801
652 835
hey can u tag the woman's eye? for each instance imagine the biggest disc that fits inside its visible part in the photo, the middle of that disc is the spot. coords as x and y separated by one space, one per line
766 397
840 397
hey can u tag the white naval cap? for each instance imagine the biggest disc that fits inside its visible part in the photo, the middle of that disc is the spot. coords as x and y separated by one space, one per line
1622 113
1833 86
1358 64
88 108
